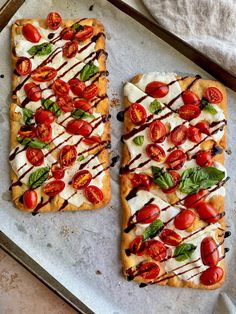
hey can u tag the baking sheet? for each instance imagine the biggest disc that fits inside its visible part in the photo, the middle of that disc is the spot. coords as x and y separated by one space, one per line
82 249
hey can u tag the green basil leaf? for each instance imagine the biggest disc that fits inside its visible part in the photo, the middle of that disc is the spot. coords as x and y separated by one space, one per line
77 26
80 158
210 108
24 141
184 251
88 70
27 115
52 106
34 143
40 50
162 178
38 177
81 114
155 106
153 229
138 140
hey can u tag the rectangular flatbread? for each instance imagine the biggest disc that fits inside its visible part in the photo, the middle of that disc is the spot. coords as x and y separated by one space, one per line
59 116
172 181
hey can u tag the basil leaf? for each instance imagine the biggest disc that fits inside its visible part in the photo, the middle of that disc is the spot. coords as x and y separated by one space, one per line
88 70
27 115
80 158
38 177
184 251
52 106
210 108
24 141
138 140
153 229
162 178
194 179
155 106
32 143
81 114
40 50
77 26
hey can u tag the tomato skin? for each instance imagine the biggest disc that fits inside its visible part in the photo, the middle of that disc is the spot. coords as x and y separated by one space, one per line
92 140
156 250
81 179
176 159
33 92
148 270
27 131
44 74
90 91
211 275
67 156
155 152
184 219
44 132
207 212
209 252
53 20
190 97
213 95
53 188
137 246
35 156
204 127
204 158
44 116
176 177
30 199
65 103
57 171
84 105
137 113
170 237
194 200
178 135
31 33
70 49
67 33
93 194
147 214
60 87
157 89
79 127
142 181
77 87
23 66
157 131
194 134
189 112
85 33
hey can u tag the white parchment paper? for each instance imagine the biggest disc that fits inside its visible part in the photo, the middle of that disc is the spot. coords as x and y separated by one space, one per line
82 249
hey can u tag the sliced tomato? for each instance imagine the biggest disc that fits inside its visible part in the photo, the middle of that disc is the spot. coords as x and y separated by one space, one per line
137 246
211 275
27 131
33 91
44 74
53 20
67 156
84 33
157 89
60 87
84 105
23 66
90 91
44 116
81 179
148 270
70 49
189 112
30 199
35 156
190 97
67 33
156 250
192 201
147 214
77 87
207 212
176 177
176 159
66 103
155 152
178 135
194 134
142 181
44 132
213 95
31 33
209 252
204 158
204 127
137 113
92 140
57 171
93 194
170 237
53 188
184 219
79 127
157 131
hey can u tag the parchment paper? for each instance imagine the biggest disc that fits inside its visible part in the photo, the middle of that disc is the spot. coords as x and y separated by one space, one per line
82 249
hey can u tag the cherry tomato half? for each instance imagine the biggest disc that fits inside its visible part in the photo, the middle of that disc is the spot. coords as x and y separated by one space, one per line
194 200
93 194
157 89
184 219
156 250
137 246
137 113
176 159
44 74
53 188
35 156
67 155
84 105
30 199
57 171
79 127
178 135
204 127
142 181
60 87
23 66
155 152
204 158
67 33
209 252
81 179
27 131
207 212
66 103
70 49
189 112
90 91
148 270
190 97
77 87
31 33
170 237
53 20
44 116
85 33
33 91
147 214
44 132
211 275
194 134
157 131
213 95
175 177
92 140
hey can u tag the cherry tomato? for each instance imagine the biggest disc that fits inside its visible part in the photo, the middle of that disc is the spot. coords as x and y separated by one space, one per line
77 87
85 33
156 250
190 97
137 246
70 49
90 91
155 152
192 201
33 91
84 105
204 158
170 237
44 116
207 212
147 214
204 127
53 188
189 112
211 275
35 156
157 132
157 89
53 20
213 95
66 103
31 33
92 140
60 87
176 177
79 127
176 159
184 219
67 33
44 74
209 252
57 171
23 66
44 132
148 270
137 113
194 134
142 181
178 135
81 179
67 156
27 131
30 199
93 194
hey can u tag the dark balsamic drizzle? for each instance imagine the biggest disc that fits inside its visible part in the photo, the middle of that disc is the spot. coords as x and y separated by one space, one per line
114 161
2 76
51 35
